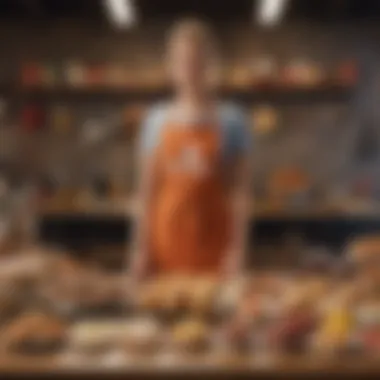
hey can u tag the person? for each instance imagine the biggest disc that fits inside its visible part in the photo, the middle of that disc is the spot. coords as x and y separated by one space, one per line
194 169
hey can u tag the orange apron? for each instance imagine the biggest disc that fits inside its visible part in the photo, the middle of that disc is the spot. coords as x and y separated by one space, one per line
190 222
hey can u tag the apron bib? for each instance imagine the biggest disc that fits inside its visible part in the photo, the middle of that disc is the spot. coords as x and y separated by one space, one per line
190 214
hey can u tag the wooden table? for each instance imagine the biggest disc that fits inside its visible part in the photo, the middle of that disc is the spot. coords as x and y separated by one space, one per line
232 368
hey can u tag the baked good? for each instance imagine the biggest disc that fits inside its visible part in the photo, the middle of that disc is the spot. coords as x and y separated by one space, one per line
96 336
151 295
34 332
116 76
335 329
239 77
201 294
265 120
27 263
288 181
316 289
364 249
230 295
367 313
190 335
92 293
93 336
142 335
236 334
369 340
177 294
292 331
302 73
263 72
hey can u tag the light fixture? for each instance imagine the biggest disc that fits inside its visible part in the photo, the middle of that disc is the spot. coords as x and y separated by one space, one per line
122 13
270 12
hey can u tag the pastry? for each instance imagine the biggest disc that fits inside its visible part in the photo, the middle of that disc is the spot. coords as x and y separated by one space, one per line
265 120
151 295
27 266
190 335
370 340
263 72
288 181
230 295
142 335
115 76
302 73
292 331
335 329
176 294
367 313
93 336
96 336
316 288
364 249
202 295
239 78
236 335
92 293
34 332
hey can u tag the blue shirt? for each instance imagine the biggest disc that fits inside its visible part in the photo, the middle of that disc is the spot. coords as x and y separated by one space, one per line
236 137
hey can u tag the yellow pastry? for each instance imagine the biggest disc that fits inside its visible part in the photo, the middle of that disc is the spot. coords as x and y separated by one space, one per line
335 329
190 333
265 120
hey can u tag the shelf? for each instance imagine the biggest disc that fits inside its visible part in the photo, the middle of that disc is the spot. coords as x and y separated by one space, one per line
282 95
95 93
243 367
127 208
322 94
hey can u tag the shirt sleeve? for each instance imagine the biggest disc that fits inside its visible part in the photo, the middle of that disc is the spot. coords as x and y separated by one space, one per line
150 130
239 139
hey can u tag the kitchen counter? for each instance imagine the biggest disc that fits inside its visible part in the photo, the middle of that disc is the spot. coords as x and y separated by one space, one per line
261 209
239 366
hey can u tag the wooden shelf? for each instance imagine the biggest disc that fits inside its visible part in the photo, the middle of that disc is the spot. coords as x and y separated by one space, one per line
128 207
324 94
240 367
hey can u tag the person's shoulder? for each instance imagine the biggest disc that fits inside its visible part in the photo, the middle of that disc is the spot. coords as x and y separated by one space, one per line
233 114
156 113
235 126
152 125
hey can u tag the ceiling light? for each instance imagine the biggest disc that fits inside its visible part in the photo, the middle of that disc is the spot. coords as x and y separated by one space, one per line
122 13
270 12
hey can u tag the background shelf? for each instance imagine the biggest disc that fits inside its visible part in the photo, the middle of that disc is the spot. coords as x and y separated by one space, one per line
324 94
